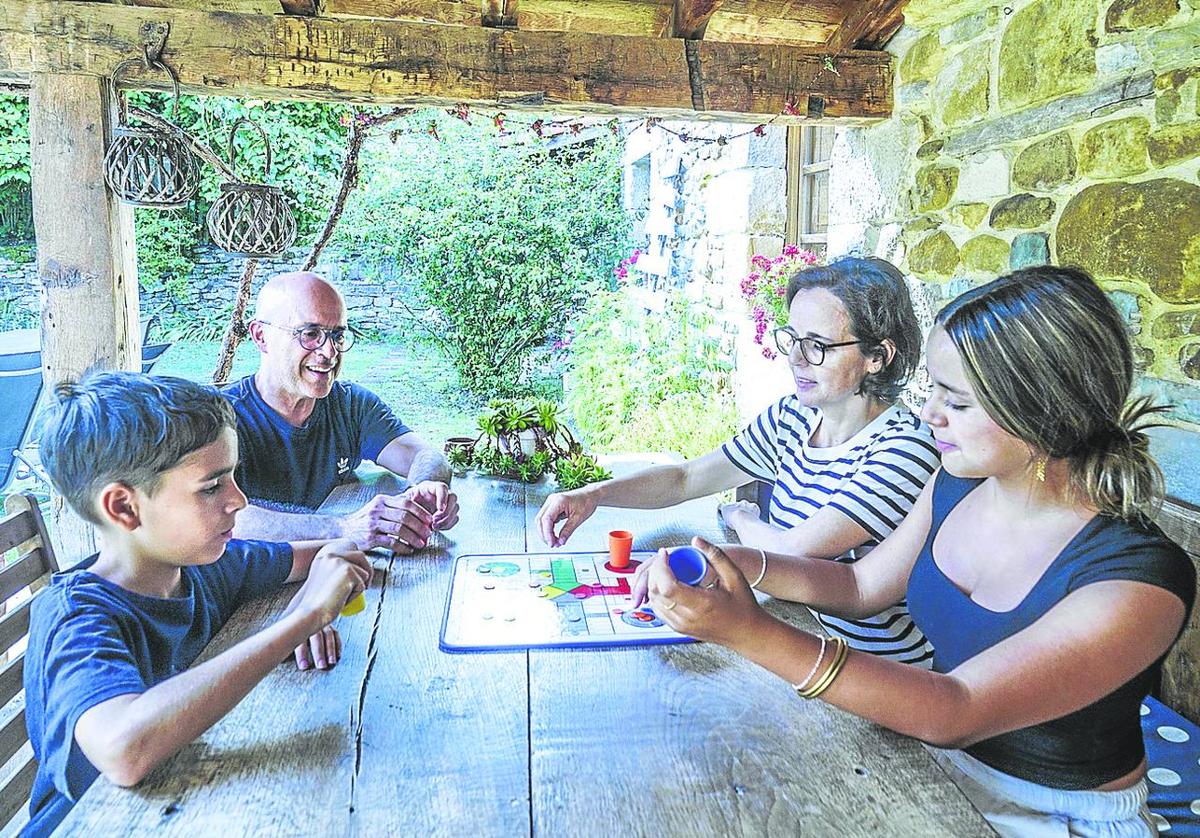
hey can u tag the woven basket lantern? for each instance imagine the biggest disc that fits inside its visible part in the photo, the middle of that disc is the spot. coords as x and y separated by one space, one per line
251 219
148 166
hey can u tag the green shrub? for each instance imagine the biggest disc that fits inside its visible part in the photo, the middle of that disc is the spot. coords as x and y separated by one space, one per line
504 242
650 382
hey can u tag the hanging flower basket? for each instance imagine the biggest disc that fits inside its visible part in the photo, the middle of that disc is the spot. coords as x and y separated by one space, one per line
251 219
148 166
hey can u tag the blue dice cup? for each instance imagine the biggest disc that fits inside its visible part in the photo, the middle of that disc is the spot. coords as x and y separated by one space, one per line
688 564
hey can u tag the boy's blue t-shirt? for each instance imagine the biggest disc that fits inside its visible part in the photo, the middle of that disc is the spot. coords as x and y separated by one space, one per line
91 640
282 464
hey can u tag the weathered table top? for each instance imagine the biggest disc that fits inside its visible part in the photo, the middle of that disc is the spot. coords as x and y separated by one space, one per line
403 739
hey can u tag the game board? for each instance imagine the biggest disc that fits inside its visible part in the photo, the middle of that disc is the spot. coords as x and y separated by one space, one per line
544 600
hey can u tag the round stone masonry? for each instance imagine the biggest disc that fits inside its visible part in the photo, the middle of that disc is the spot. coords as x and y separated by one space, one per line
1147 231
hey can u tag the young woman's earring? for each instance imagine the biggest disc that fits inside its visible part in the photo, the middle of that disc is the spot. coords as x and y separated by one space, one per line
1039 469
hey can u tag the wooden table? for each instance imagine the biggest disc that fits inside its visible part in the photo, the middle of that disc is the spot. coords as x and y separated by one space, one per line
402 739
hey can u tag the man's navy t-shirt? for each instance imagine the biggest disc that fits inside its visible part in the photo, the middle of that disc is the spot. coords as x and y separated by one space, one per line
91 640
282 464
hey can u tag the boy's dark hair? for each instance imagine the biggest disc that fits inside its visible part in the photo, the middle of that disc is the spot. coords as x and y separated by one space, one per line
124 427
880 308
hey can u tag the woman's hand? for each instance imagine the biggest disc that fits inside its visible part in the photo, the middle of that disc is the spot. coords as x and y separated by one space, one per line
725 612
738 511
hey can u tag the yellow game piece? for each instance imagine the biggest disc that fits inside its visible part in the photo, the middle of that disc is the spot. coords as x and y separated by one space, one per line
355 605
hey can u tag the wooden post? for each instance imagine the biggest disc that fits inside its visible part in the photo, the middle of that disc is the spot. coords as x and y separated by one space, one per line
85 249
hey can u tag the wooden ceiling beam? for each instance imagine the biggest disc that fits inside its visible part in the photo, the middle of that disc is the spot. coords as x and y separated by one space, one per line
869 25
378 61
690 18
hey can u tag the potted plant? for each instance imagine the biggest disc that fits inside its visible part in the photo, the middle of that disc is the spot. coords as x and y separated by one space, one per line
524 441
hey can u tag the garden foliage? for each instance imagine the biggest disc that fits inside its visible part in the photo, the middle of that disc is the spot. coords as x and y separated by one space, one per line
650 382
307 142
503 240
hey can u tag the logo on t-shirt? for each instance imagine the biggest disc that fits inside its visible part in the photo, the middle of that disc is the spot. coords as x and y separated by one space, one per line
343 465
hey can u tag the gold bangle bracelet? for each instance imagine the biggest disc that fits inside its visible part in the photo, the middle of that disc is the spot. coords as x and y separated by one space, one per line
836 659
827 677
835 651
832 673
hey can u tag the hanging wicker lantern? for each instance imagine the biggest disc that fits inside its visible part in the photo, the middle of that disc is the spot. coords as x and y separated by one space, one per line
251 219
148 166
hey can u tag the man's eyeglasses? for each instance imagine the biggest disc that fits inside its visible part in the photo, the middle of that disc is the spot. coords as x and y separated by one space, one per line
812 349
313 338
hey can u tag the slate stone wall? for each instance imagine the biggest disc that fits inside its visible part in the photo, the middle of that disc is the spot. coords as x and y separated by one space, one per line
376 290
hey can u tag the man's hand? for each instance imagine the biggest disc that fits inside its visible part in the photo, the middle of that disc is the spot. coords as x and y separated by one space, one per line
572 508
437 499
395 522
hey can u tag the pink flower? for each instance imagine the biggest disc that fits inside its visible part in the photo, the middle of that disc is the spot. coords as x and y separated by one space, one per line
778 260
791 250
809 257
768 354
761 262
781 291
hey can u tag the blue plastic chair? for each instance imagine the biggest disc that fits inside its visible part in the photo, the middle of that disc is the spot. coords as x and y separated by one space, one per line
151 354
20 387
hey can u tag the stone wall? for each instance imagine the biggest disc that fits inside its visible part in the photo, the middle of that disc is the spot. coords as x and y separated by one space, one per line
1043 130
376 290
708 209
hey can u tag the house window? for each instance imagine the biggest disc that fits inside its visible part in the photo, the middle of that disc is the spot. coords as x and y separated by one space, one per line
809 149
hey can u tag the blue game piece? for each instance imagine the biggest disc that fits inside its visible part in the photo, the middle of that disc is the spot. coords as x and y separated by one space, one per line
688 564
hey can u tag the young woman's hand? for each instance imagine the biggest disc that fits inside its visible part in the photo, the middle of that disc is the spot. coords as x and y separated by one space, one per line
722 609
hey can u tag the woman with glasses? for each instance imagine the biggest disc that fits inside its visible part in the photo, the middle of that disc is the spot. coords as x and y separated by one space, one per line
1028 561
847 459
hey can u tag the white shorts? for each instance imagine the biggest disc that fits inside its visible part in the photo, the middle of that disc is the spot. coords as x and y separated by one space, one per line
1017 808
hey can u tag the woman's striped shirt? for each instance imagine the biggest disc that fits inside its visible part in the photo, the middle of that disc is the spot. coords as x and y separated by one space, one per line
873 478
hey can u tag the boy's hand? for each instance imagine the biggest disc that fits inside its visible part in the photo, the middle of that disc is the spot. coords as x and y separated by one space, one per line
338 572
322 650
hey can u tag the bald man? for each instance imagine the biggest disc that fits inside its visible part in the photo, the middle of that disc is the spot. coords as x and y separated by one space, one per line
301 432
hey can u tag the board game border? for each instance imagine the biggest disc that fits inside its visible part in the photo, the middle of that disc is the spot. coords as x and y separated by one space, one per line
525 647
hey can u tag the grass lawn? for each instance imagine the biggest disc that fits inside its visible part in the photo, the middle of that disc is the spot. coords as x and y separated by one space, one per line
414 379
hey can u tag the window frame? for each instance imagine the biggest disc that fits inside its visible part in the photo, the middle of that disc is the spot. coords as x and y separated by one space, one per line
801 143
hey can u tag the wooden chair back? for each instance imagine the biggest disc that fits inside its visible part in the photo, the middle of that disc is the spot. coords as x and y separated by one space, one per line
28 560
1181 672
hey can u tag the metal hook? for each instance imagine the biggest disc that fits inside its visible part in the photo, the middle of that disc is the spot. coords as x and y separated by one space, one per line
154 41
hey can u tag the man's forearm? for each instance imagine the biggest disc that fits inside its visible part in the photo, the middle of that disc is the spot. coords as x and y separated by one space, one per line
429 465
272 525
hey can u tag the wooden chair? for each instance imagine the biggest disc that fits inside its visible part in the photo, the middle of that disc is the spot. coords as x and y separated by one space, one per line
1181 671
28 562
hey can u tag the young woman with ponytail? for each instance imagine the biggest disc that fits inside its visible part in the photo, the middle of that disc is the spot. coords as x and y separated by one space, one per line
1029 561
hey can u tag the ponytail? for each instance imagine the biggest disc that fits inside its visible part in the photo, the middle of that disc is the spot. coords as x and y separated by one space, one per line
1114 472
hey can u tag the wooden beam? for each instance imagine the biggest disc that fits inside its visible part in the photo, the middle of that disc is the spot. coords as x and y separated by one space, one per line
362 60
85 252
500 14
746 21
869 26
245 7
690 18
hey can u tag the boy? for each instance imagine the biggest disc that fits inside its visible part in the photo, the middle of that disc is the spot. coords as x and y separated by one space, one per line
108 690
